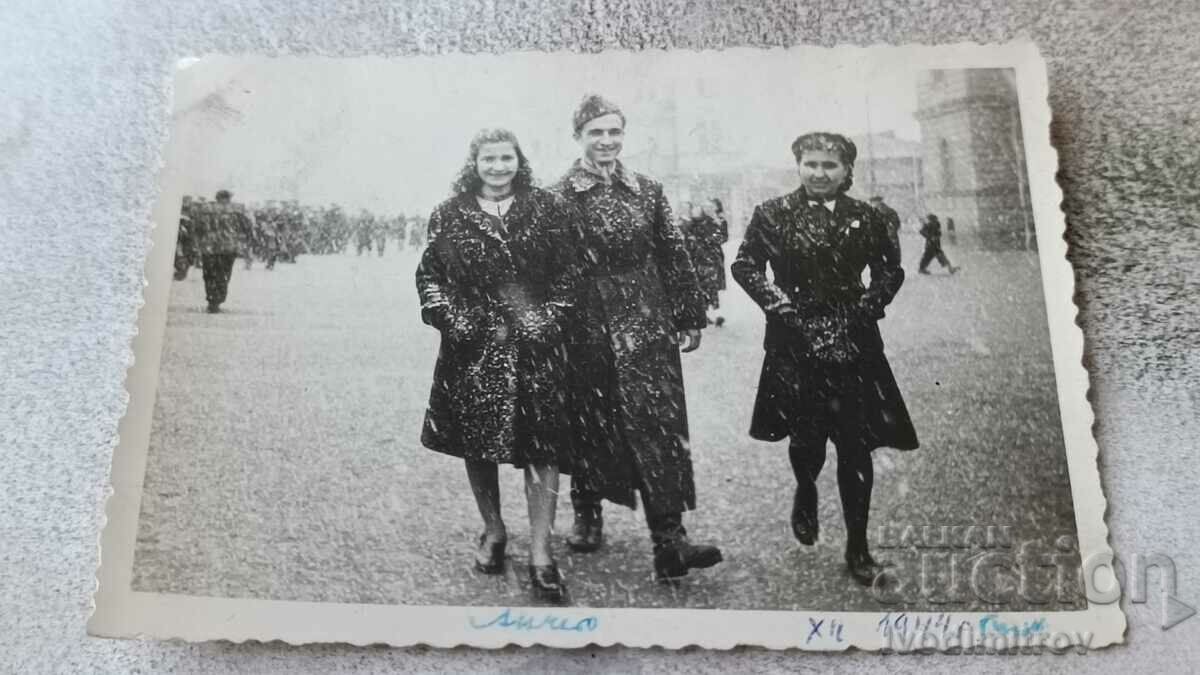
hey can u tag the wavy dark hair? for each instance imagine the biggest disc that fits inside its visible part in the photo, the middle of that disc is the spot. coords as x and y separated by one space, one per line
829 142
468 181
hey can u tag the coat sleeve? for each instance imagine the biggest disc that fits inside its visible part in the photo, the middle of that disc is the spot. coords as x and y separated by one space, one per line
749 268
567 253
675 268
886 273
432 281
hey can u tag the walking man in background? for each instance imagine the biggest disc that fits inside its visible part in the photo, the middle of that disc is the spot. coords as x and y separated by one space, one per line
222 231
932 231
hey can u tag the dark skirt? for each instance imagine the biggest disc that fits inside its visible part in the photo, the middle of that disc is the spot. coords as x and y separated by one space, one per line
857 403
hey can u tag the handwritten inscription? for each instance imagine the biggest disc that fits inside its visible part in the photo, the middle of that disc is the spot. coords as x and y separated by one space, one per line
519 621
821 630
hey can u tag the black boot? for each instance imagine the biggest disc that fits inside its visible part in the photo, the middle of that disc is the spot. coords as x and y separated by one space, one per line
674 555
587 534
861 566
805 525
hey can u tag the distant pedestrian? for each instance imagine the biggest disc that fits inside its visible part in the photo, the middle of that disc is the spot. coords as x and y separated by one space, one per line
707 232
932 231
382 230
416 233
223 231
185 241
890 218
951 233
365 233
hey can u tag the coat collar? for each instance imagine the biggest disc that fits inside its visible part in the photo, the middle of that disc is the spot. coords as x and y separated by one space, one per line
847 216
468 209
800 199
582 179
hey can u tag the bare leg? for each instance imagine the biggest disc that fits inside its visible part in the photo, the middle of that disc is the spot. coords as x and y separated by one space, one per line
541 491
485 484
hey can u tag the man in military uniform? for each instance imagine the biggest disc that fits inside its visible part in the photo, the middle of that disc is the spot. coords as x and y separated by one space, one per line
334 222
292 234
266 231
185 241
416 233
223 229
890 218
365 234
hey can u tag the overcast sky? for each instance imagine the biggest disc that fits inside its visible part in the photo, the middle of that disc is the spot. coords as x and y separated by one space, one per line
390 134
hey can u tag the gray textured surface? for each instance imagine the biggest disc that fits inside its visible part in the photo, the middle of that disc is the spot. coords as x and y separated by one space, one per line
83 118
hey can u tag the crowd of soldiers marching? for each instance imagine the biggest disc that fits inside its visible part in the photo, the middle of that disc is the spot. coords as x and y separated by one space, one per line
214 234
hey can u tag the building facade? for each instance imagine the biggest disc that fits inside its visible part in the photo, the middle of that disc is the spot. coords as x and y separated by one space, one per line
974 156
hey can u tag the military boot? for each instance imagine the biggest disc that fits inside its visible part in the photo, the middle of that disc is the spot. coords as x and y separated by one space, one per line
674 555
587 534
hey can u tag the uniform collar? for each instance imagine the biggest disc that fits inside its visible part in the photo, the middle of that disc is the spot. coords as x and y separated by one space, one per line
583 177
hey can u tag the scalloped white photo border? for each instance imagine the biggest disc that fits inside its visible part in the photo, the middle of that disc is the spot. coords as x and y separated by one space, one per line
122 612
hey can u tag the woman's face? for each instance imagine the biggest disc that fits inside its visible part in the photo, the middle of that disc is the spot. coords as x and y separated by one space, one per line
697 211
602 138
821 172
497 164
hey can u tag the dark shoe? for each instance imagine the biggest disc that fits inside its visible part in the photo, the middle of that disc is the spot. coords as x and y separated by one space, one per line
954 270
494 564
805 526
547 584
587 535
923 271
213 308
863 568
720 321
673 561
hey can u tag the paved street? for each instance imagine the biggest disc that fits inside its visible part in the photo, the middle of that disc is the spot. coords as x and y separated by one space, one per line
285 460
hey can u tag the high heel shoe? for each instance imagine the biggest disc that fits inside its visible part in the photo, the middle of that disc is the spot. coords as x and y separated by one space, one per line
495 560
547 583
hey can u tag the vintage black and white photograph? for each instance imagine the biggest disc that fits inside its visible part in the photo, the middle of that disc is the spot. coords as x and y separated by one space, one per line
768 347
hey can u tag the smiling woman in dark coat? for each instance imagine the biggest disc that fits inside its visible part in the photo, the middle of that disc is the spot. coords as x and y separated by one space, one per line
495 277
825 375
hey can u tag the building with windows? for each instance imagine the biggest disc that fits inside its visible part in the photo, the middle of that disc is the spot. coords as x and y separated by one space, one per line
974 156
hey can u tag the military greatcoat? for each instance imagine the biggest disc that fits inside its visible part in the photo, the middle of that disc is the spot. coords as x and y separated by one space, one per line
638 289
497 293
824 372
706 235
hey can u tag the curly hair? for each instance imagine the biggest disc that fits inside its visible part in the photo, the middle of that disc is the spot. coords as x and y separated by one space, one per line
468 181
825 141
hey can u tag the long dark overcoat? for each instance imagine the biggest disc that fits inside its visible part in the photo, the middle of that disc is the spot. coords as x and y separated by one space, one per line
638 290
705 236
497 297
829 374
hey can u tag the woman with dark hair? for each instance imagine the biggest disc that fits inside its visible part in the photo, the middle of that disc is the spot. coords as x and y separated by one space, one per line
825 375
495 277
